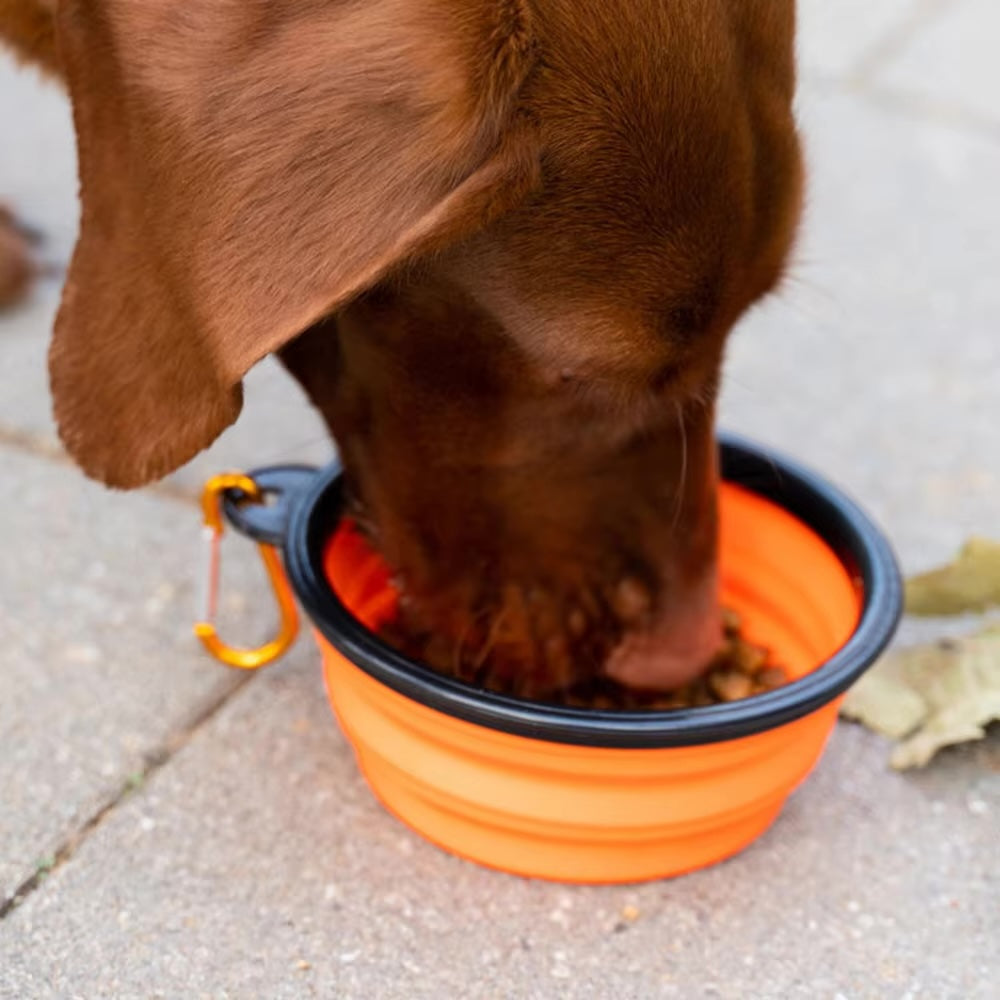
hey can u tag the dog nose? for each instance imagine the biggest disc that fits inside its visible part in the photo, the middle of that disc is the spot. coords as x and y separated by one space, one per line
679 645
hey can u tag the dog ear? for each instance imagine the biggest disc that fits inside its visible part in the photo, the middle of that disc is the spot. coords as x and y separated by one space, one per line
248 167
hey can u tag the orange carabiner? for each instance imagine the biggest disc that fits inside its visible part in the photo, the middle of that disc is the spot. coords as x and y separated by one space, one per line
245 659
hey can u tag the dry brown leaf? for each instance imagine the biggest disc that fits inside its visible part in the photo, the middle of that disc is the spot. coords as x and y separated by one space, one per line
970 583
931 696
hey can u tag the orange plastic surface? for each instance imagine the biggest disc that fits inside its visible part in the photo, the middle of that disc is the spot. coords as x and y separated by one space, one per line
590 814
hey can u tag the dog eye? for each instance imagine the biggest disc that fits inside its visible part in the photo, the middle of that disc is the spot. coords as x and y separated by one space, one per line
686 317
681 324
664 377
684 320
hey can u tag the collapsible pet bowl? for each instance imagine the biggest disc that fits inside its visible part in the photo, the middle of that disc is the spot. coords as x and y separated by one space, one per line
583 795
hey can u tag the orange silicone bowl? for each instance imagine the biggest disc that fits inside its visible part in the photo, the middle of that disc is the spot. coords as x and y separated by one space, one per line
604 796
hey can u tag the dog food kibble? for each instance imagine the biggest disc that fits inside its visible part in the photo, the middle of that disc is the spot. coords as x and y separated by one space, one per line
729 684
740 670
769 678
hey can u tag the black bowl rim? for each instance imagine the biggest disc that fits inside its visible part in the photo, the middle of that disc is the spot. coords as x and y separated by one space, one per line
852 535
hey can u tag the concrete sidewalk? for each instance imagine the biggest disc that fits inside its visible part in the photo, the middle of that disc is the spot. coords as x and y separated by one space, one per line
171 829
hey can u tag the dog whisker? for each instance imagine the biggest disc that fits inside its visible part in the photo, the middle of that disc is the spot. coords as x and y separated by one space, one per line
679 496
491 637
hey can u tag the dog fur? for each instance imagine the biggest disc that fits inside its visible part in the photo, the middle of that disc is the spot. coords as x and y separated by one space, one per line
501 244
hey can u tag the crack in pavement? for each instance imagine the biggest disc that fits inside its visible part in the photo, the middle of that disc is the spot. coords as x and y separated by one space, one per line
893 41
40 445
32 443
937 112
153 761
914 107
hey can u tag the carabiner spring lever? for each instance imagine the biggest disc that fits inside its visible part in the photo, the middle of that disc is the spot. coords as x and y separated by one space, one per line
245 659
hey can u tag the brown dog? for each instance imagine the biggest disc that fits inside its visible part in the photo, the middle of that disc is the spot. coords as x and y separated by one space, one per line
500 243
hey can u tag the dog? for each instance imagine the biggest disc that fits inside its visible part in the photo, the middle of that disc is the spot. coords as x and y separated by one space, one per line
500 243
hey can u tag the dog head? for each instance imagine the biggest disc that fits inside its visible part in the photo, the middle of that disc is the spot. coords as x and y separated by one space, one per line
500 243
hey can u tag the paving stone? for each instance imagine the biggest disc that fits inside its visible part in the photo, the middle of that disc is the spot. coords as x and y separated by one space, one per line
951 62
98 667
879 363
258 865
834 37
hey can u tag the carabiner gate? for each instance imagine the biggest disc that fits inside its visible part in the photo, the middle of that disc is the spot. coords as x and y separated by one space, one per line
245 659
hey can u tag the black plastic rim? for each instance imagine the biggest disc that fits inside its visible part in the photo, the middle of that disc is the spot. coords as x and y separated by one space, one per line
851 534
